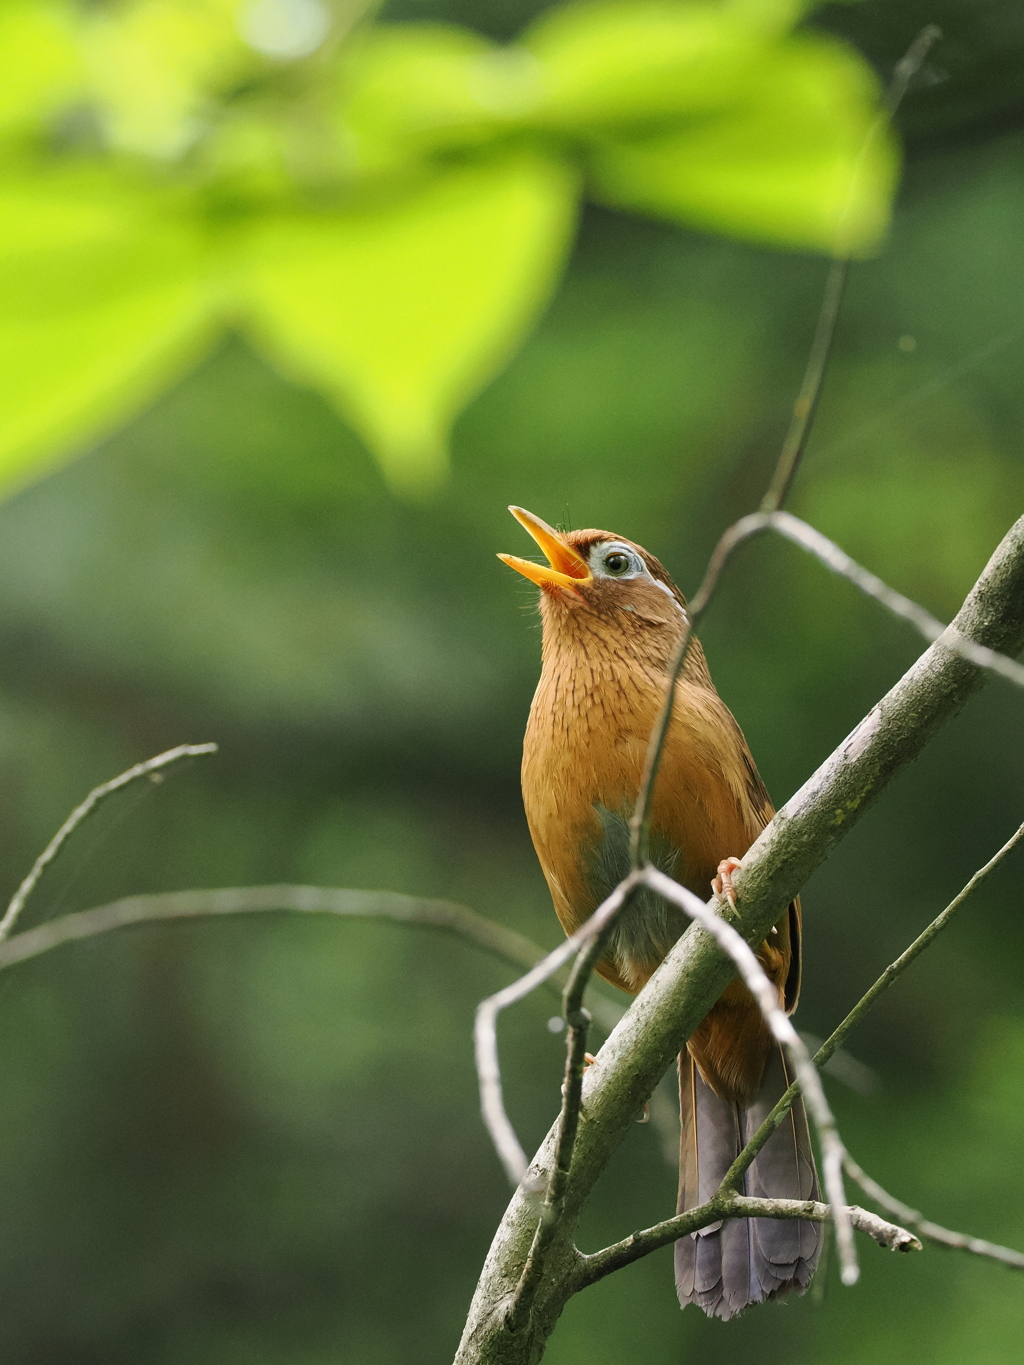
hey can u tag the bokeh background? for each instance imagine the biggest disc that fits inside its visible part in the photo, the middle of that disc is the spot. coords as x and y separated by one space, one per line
258 1141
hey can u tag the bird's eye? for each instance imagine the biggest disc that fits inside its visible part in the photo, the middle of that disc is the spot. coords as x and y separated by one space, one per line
617 563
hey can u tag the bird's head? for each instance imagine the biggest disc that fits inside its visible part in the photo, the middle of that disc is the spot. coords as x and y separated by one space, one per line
594 577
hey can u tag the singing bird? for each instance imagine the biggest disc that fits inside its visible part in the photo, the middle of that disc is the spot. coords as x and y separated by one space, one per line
613 621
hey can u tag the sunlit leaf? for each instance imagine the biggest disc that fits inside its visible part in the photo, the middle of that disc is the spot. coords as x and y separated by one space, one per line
39 63
613 64
102 303
156 65
402 311
803 161
410 88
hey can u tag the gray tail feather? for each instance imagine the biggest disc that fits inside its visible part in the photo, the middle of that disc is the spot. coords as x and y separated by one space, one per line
732 1264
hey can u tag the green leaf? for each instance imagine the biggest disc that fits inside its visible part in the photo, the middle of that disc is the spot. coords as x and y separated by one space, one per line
615 65
804 160
408 89
39 64
402 311
103 302
156 67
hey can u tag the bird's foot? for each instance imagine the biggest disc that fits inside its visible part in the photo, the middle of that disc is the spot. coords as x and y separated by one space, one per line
722 884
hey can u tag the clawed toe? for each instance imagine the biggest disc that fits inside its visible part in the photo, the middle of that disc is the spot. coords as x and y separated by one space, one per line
722 884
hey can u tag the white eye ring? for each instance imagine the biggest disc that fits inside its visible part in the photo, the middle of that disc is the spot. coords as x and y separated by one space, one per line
629 566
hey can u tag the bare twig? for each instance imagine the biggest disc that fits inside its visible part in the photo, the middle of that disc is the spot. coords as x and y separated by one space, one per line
835 1040
806 405
492 1104
578 1019
909 65
151 768
931 1232
829 554
725 1205
493 938
767 997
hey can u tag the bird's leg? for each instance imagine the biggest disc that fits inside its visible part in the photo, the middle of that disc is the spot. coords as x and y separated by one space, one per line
722 884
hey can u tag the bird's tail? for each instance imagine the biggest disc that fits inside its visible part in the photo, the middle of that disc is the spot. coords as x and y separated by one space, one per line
729 1265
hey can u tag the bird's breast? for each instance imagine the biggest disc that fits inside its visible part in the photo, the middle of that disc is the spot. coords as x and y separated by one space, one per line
583 756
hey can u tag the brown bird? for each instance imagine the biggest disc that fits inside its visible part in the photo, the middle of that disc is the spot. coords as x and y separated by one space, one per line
612 624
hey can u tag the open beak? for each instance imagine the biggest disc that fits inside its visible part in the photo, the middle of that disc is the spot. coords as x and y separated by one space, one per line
564 569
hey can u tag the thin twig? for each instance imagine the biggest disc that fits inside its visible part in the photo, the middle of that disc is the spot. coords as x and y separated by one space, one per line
578 1020
767 997
909 65
831 1045
151 768
829 554
639 1244
806 405
493 938
492 1104
931 1232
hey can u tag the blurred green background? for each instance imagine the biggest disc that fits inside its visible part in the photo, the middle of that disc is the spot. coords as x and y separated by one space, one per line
258 1141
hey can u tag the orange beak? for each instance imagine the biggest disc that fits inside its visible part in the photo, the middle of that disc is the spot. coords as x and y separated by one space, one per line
564 569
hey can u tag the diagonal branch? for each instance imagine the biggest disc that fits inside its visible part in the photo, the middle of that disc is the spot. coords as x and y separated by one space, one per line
725 1205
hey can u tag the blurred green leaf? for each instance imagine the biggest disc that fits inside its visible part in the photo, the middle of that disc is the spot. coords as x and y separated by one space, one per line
803 160
103 302
155 67
613 64
411 88
402 311
39 63
401 201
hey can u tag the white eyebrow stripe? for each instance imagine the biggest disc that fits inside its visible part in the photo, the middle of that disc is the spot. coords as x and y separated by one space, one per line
669 593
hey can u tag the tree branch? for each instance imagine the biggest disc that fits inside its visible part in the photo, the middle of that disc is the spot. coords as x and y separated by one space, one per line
724 1205
485 1033
493 938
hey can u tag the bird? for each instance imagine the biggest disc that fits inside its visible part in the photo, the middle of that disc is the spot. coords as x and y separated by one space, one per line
612 623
